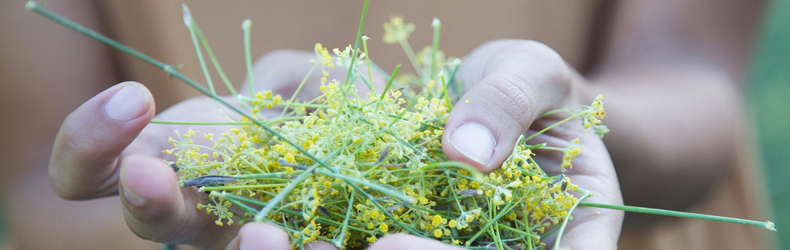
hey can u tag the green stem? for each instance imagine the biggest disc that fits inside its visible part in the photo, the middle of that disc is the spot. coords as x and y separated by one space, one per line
261 216
567 218
260 176
447 100
214 60
552 126
371 185
298 89
764 224
245 26
228 123
203 189
493 220
412 57
190 23
519 231
342 237
356 42
201 123
476 175
389 83
437 27
367 63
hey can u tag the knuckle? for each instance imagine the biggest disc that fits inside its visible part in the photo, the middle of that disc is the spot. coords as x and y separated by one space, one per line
512 95
550 70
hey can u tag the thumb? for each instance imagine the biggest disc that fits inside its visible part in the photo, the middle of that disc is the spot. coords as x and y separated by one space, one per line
513 83
83 163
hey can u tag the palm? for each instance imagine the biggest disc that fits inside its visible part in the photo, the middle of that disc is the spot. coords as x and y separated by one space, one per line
592 171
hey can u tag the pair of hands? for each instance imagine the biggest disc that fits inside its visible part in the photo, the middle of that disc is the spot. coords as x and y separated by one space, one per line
107 147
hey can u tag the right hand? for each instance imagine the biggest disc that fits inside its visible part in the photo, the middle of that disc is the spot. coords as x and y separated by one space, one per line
107 146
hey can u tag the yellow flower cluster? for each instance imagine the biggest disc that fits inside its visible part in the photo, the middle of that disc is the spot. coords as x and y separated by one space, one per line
594 115
396 31
387 141
350 169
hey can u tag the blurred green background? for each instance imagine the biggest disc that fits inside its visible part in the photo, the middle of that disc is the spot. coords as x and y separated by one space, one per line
769 100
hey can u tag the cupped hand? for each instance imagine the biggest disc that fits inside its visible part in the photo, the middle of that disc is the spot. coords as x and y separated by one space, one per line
107 146
108 141
510 84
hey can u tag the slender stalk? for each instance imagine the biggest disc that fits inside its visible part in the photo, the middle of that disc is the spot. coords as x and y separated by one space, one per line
261 216
371 185
201 123
245 26
189 22
447 100
552 126
367 63
476 175
568 218
260 203
412 57
356 42
214 60
298 89
437 27
764 224
493 220
342 238
203 189
260 176
389 83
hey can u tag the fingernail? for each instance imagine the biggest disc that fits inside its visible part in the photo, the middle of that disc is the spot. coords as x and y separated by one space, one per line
130 102
131 196
474 141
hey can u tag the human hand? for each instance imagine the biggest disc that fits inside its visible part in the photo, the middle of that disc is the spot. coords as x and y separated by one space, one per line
107 146
510 84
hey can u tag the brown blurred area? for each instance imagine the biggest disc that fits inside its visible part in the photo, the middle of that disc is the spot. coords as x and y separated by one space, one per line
46 71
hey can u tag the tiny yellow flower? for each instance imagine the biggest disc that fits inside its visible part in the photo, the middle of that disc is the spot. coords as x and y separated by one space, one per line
437 233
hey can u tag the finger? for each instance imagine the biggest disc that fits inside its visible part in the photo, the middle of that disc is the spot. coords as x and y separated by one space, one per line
590 226
155 208
261 236
595 226
408 242
513 83
83 161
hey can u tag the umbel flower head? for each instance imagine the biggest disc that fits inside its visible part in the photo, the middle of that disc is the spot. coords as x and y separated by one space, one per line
344 57
396 31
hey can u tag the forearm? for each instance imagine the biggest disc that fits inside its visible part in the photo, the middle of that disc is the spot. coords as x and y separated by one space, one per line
674 130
